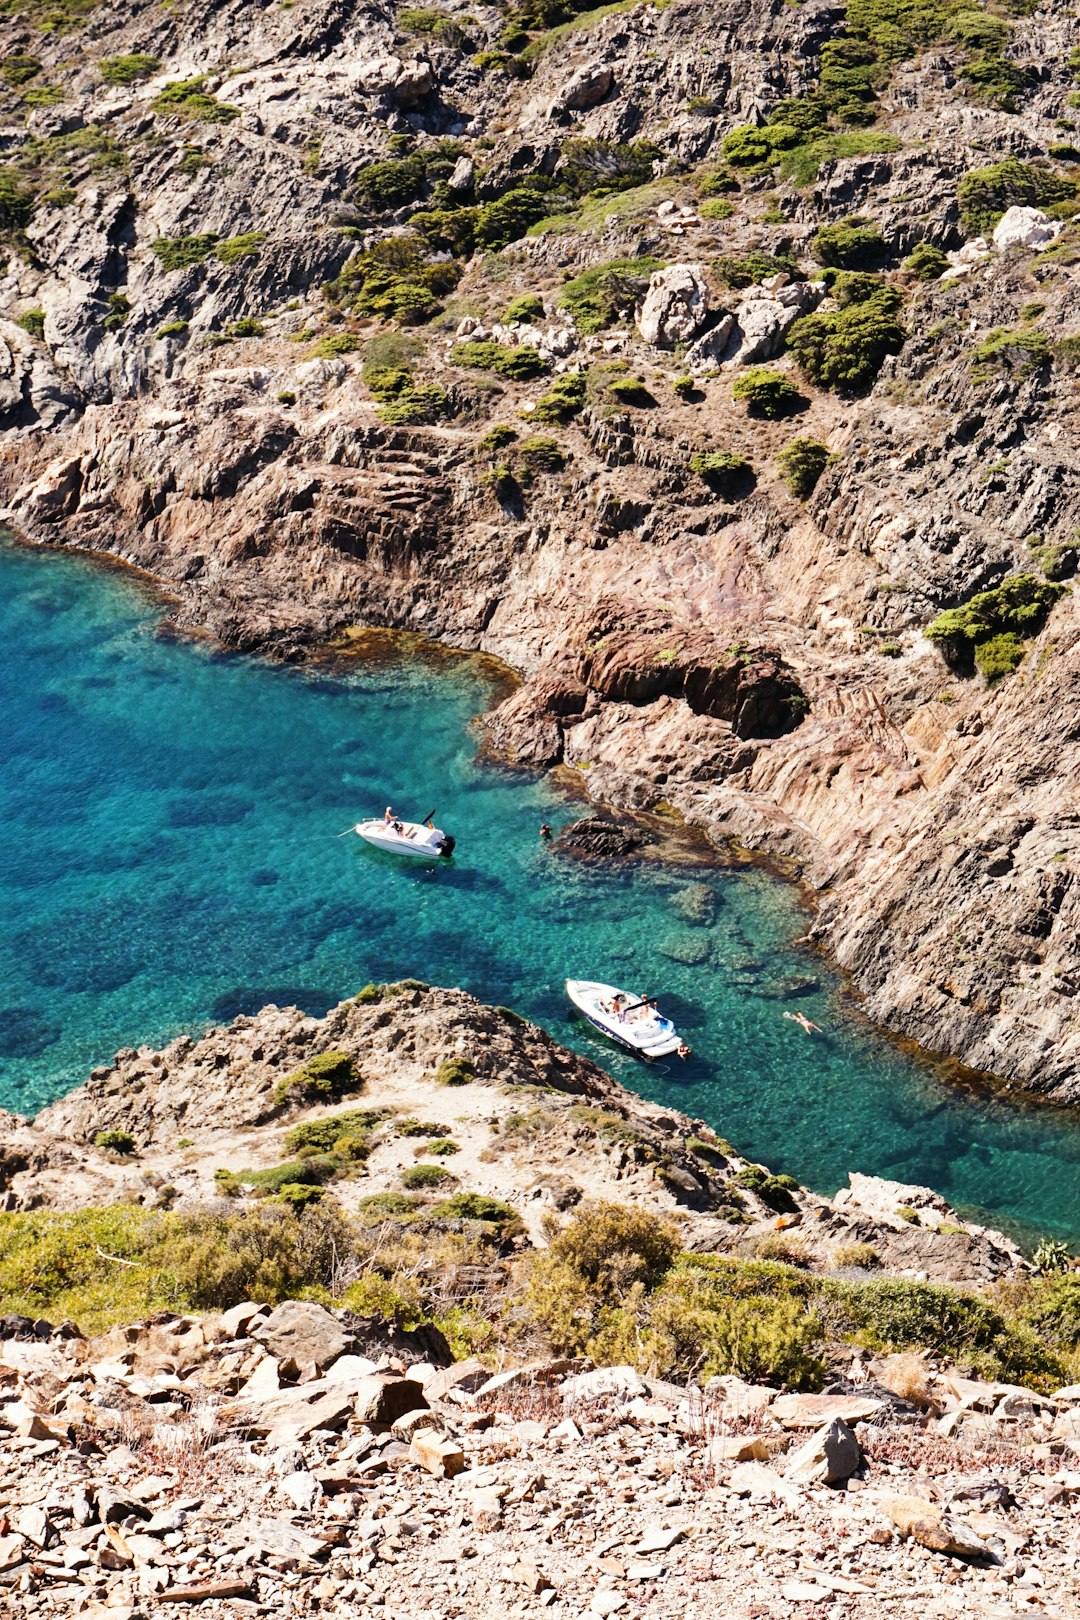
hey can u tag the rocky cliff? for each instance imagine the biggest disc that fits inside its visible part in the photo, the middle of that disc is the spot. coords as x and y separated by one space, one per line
693 359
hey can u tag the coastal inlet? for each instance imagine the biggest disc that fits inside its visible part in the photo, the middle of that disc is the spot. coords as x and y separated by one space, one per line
171 859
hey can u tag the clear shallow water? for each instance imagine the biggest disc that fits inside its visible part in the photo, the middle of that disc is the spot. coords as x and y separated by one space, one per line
170 858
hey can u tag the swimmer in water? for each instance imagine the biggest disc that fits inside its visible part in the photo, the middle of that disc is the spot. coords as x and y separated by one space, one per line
545 832
805 1023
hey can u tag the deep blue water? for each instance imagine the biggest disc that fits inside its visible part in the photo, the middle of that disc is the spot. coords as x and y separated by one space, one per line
170 858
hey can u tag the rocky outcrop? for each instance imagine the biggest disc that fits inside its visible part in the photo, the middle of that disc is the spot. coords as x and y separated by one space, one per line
675 305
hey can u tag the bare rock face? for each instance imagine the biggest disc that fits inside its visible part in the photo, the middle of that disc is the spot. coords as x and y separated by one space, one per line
584 88
675 305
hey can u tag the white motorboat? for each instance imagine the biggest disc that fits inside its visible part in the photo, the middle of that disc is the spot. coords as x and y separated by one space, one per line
630 1020
417 839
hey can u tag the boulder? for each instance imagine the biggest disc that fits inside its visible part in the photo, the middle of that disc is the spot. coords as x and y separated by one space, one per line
1024 228
830 1456
382 1399
602 1383
301 1331
675 306
764 317
595 838
812 1411
707 353
437 1455
931 1527
584 88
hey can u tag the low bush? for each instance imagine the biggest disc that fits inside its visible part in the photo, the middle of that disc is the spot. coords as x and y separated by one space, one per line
32 321
387 1203
726 473
419 1176
323 1135
749 269
507 218
801 463
18 68
181 252
468 1206
403 401
855 1256
187 98
519 365
1021 350
115 1141
418 1127
496 439
716 208
600 296
988 631
394 278
844 349
630 391
247 326
128 69
234 248
596 168
329 1074
926 262
985 194
563 400
442 1147
850 245
455 1071
294 1172
767 393
528 308
541 455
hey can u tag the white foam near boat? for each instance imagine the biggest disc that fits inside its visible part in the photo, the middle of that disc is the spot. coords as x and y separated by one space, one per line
627 1019
412 838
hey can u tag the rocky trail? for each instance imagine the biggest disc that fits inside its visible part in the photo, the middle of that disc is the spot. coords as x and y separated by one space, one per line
282 1462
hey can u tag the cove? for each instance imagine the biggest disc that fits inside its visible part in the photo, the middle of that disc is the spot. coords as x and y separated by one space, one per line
170 859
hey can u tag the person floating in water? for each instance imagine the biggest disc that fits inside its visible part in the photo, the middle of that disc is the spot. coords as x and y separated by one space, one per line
684 1050
545 832
805 1023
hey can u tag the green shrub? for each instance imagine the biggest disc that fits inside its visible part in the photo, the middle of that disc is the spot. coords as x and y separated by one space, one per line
418 1127
387 1203
128 69
1063 152
520 365
405 402
294 1173
16 201
608 1257
988 631
329 1074
684 387
725 473
801 463
19 69
296 1194
630 391
32 321
391 183
1020 350
285 396
748 269
844 349
496 439
773 1190
425 20
186 98
767 393
467 1206
181 252
239 247
247 326
716 208
384 1297
597 168
541 455
926 262
172 329
418 1176
563 400
455 1071
985 194
851 245
598 297
528 308
119 310
856 1256
115 1141
1054 1310
716 182
394 278
442 1147
507 218
323 1135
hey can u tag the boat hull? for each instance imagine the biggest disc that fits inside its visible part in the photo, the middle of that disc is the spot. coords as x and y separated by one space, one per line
648 1037
415 842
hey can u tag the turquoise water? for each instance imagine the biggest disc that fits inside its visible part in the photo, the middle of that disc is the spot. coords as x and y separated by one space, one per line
170 858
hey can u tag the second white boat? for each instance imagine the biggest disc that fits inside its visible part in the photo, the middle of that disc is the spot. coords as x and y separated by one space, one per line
629 1020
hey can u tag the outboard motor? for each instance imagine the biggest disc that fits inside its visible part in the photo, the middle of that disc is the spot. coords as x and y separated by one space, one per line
446 846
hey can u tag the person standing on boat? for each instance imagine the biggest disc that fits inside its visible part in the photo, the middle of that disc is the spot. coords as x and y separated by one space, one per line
389 815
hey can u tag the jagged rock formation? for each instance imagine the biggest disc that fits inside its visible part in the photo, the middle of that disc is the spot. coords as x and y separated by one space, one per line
182 394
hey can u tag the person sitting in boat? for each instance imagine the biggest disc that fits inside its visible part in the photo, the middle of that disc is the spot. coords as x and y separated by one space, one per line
398 827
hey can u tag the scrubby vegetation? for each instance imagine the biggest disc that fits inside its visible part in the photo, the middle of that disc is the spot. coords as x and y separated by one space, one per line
181 252
726 473
767 393
608 292
801 464
115 1141
328 1074
926 262
188 98
850 245
844 349
985 194
989 631
519 365
128 69
1020 350
753 267
396 278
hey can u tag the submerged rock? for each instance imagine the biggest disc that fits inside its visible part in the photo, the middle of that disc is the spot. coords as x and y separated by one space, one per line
595 838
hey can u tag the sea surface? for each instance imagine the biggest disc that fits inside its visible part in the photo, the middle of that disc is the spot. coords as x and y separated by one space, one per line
170 858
